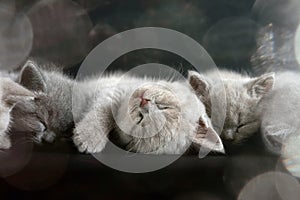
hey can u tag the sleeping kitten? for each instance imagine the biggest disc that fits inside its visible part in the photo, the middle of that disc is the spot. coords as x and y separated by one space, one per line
280 120
10 93
50 113
243 95
100 106
147 116
279 111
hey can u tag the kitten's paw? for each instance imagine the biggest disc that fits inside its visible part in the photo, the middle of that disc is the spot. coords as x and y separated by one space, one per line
49 137
89 142
42 134
4 142
274 136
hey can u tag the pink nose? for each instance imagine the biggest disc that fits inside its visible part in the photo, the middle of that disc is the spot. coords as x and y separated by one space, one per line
143 102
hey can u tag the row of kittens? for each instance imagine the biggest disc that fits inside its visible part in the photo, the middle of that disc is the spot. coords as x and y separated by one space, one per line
143 114
147 115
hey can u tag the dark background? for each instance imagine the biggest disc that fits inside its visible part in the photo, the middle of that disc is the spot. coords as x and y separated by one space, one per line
242 35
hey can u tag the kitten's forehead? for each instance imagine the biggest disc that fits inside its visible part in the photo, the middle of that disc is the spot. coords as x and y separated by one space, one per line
157 91
238 100
159 86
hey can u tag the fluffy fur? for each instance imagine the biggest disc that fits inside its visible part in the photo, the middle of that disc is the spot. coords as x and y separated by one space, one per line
242 95
148 116
10 94
279 111
50 114
112 104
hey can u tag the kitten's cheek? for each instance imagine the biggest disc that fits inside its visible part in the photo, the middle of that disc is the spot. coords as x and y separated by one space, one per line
244 132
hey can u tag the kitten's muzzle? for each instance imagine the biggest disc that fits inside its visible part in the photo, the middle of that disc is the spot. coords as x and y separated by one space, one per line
229 134
144 102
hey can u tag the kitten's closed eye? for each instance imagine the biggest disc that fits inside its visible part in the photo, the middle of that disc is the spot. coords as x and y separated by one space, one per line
140 118
247 128
241 126
162 106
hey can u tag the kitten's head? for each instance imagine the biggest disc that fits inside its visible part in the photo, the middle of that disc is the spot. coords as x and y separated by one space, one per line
10 93
163 117
242 98
36 117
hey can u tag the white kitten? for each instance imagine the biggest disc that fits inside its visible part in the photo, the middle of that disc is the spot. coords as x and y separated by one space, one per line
279 111
148 116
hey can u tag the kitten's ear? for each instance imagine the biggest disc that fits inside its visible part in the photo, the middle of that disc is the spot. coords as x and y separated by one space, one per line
13 92
207 137
32 78
261 85
199 83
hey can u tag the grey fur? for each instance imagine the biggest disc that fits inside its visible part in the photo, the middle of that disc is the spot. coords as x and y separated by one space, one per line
51 111
10 94
243 95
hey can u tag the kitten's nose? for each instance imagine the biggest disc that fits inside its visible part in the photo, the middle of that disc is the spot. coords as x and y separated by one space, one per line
229 135
143 102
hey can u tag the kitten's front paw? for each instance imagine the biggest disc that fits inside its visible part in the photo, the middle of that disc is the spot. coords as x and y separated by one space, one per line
89 141
46 136
4 142
49 137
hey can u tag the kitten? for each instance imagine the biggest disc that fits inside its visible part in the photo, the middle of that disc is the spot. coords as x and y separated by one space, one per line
280 120
279 111
10 93
50 114
145 116
242 96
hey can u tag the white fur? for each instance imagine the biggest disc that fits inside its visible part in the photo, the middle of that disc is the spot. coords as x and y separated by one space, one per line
279 111
109 111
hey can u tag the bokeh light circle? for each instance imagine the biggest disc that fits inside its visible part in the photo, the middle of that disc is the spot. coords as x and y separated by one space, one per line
235 42
61 31
7 13
279 12
41 172
16 36
297 44
291 155
17 157
270 186
112 48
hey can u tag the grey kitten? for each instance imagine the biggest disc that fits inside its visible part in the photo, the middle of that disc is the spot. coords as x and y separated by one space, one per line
10 94
243 95
147 116
50 113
